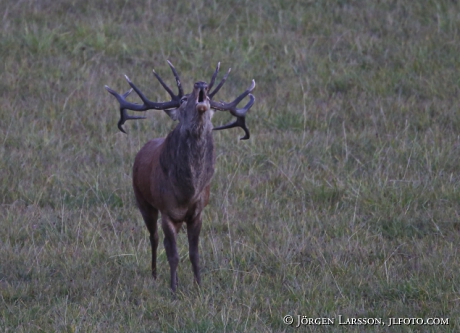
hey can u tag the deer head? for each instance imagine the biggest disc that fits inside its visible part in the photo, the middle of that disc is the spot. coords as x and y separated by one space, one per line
175 108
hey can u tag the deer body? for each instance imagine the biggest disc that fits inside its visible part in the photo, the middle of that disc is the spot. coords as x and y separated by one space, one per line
172 187
172 175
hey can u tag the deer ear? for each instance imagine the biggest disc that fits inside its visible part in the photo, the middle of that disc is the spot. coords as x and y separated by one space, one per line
173 114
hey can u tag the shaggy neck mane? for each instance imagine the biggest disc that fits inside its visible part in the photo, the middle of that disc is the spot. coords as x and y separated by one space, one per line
188 158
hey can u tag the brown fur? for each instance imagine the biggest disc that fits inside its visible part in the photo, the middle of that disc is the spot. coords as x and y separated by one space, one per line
172 176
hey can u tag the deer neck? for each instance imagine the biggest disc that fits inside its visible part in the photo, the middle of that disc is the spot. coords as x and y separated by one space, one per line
188 159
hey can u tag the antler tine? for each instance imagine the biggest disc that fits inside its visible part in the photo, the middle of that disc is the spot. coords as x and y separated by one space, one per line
163 84
221 106
123 117
240 114
239 122
214 76
176 76
174 97
147 104
211 95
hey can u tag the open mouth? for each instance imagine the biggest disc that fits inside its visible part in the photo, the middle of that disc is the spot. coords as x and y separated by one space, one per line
201 93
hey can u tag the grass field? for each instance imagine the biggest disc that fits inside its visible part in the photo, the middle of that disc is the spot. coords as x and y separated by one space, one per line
344 202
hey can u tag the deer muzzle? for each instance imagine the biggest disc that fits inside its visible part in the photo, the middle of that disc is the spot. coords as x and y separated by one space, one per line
201 94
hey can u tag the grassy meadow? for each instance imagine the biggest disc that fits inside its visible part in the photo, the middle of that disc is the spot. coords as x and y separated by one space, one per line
344 202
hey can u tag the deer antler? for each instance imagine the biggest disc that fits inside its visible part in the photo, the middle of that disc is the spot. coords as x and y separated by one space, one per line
211 94
148 105
240 114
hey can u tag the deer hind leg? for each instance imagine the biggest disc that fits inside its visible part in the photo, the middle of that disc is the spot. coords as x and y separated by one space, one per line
170 230
193 234
150 215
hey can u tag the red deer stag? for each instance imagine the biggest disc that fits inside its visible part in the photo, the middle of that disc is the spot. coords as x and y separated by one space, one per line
172 175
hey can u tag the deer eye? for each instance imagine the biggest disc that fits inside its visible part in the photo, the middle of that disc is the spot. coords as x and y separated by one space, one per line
183 99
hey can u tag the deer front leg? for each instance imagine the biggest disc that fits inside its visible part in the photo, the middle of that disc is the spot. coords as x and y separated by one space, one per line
153 229
193 233
150 216
170 231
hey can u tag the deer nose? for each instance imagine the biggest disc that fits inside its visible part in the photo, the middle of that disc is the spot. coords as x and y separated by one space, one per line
201 85
201 91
